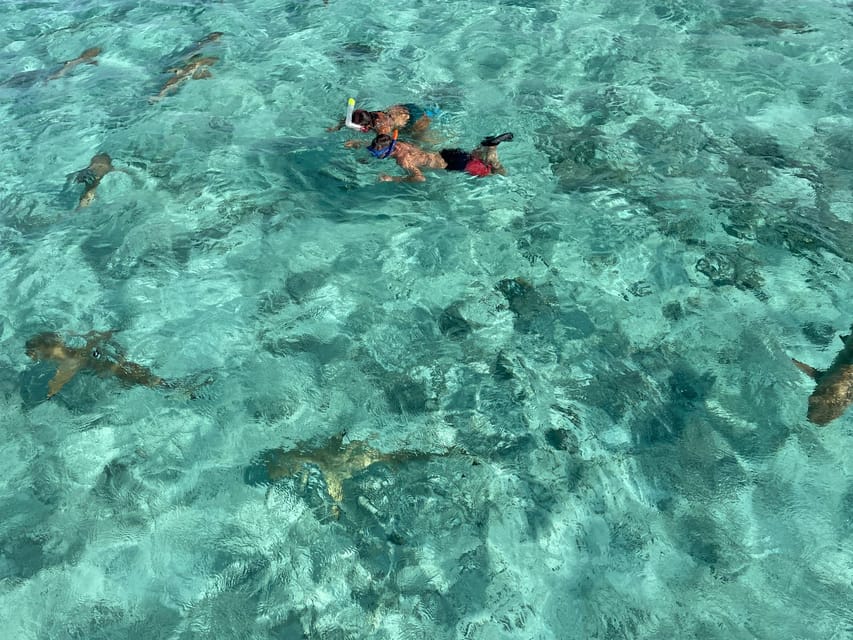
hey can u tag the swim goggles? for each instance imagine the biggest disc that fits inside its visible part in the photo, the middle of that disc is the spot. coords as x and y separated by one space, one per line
387 151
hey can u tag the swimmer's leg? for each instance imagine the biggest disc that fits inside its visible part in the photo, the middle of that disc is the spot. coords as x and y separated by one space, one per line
419 121
488 151
489 155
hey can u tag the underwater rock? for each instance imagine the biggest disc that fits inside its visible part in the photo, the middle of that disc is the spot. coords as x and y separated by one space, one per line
648 133
578 157
562 440
640 289
730 268
673 311
839 145
358 52
749 172
503 369
452 324
534 311
298 288
616 393
324 351
406 395
22 557
761 145
672 151
768 24
808 232
699 539
743 217
689 386
845 506
577 324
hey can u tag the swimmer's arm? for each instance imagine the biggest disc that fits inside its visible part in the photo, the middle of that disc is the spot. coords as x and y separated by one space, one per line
415 175
336 127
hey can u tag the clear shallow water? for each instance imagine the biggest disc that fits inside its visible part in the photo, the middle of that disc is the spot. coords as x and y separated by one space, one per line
601 339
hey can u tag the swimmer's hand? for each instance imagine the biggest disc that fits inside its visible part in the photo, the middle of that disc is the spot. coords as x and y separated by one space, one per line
354 144
384 177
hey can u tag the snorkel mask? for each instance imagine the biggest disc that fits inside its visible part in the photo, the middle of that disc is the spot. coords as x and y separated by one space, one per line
348 121
387 151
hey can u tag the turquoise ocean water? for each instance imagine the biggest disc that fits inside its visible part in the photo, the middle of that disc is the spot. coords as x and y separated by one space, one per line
574 381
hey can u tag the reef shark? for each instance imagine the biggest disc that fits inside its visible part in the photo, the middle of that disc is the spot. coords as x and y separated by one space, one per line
87 57
337 462
196 68
29 78
834 390
197 46
99 354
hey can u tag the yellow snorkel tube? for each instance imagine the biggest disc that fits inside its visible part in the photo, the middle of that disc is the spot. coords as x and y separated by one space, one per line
348 121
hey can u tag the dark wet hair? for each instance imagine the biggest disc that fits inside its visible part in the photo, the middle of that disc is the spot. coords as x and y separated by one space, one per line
363 118
380 142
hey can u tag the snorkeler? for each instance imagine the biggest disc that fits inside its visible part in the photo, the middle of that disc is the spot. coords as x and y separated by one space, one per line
480 162
99 166
407 118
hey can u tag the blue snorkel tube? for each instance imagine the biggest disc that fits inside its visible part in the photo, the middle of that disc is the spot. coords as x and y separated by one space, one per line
348 121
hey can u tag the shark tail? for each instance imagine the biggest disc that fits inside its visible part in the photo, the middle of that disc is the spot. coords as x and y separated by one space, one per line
257 474
258 471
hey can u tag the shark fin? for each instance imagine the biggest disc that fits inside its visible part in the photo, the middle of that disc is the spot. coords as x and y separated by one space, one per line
811 372
64 373
844 339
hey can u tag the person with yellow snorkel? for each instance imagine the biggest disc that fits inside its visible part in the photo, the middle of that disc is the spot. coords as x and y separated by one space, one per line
408 118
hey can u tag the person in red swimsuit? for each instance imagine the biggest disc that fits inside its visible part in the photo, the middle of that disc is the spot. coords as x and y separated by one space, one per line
480 162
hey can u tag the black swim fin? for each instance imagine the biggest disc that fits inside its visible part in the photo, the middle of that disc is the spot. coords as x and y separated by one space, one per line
493 141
